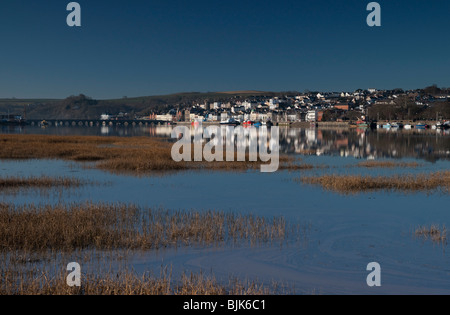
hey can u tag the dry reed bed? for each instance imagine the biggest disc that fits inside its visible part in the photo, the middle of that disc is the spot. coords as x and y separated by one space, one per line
127 283
434 233
347 184
117 154
44 182
102 226
387 164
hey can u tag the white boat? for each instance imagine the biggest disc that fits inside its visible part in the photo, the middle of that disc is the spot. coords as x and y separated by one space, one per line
444 125
230 122
407 127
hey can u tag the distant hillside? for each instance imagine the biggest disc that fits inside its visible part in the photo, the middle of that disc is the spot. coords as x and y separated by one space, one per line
83 107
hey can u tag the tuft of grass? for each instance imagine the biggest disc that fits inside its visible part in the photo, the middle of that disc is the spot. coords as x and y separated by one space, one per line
434 233
296 167
347 184
44 182
388 164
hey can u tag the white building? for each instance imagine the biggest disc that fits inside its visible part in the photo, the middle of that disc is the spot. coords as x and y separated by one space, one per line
311 116
273 103
224 116
213 117
195 117
167 117
104 117
249 105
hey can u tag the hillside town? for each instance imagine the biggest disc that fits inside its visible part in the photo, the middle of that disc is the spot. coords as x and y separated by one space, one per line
368 105
425 105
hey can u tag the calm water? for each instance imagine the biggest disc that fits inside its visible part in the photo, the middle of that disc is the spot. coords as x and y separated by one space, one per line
347 232
430 145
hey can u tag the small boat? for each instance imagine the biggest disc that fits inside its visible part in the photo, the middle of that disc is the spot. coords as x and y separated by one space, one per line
397 126
387 126
421 126
362 124
230 122
44 123
407 127
12 120
196 122
444 125
257 124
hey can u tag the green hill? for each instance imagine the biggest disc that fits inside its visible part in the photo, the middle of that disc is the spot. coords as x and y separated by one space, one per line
83 107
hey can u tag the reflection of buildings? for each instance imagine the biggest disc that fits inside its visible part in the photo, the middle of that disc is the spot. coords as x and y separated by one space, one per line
368 145
429 145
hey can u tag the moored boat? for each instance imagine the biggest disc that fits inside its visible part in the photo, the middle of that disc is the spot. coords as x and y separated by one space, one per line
421 126
362 124
12 120
258 124
230 122
407 127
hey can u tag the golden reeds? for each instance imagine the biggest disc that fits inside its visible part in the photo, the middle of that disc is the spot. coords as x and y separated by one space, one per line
434 233
43 182
358 183
103 226
38 282
117 154
387 164
35 241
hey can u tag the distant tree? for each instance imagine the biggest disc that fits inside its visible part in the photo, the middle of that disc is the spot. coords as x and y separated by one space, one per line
398 91
432 90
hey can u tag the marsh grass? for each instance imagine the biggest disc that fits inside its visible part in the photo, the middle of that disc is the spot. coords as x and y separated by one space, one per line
296 166
36 242
387 164
348 184
34 281
115 154
18 183
103 226
435 233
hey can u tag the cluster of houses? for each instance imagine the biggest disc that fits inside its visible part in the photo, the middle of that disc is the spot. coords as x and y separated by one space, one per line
304 107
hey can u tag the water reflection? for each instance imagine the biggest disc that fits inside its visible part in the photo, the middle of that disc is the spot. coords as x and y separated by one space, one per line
430 145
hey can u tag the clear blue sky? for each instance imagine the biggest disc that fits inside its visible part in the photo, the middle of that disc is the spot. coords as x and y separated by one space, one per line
136 48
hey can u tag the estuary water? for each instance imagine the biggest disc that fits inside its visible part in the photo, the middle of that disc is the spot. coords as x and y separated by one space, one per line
342 233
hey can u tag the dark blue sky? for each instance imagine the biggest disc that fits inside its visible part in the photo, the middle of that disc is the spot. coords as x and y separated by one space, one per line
136 48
